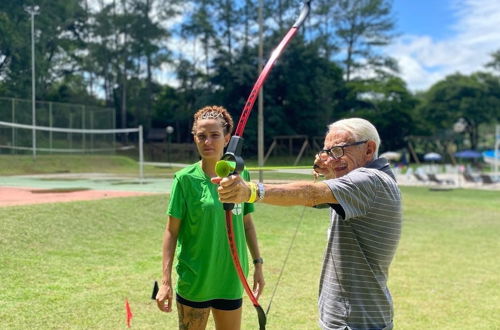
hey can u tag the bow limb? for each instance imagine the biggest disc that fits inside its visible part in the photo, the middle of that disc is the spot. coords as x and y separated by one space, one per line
237 265
233 153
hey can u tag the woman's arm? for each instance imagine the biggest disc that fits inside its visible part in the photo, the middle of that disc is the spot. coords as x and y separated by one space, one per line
165 294
253 246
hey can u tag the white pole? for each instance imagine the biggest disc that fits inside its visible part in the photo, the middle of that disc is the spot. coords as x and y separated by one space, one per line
141 155
33 91
92 127
13 120
83 126
33 11
496 153
260 101
51 124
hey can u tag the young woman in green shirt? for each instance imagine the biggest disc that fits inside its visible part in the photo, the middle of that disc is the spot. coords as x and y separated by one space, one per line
196 234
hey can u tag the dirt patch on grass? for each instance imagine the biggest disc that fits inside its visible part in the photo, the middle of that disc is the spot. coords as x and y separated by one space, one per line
10 196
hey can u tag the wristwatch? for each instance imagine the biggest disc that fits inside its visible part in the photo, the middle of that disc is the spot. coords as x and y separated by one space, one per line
258 261
261 192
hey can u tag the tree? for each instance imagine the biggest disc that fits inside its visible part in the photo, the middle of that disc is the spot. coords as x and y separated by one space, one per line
474 98
146 39
360 27
495 62
199 25
323 23
389 105
58 30
302 92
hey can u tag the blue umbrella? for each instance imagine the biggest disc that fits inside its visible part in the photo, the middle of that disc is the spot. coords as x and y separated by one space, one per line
471 154
432 156
489 156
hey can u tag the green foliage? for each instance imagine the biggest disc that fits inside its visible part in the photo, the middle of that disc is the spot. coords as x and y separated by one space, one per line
388 104
361 26
301 94
110 54
475 98
495 62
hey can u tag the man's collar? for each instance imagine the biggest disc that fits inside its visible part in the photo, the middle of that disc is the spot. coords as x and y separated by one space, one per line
381 164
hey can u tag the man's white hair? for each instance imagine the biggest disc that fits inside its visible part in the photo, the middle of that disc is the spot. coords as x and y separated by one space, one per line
361 129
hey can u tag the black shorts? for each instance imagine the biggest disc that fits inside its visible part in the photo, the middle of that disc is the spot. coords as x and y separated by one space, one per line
223 304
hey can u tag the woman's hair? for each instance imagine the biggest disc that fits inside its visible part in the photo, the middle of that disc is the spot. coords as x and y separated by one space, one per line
360 128
214 112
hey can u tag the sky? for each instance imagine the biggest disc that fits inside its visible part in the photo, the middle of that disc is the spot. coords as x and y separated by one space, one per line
441 37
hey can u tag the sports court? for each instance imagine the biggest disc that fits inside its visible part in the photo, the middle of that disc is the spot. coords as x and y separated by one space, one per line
36 189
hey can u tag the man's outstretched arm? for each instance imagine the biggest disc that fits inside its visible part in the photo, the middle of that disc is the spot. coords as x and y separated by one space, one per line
234 189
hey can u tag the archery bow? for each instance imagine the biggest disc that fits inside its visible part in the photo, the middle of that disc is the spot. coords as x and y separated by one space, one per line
233 153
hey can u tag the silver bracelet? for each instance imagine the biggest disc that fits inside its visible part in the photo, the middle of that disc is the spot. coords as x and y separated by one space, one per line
261 191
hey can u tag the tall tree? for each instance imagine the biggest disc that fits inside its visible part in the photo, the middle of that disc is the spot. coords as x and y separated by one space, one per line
149 45
226 23
361 26
248 18
323 23
200 25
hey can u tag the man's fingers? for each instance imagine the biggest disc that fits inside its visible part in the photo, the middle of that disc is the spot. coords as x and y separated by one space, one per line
229 181
216 180
227 196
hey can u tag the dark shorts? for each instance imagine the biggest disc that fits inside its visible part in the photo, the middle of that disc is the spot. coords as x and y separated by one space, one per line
222 304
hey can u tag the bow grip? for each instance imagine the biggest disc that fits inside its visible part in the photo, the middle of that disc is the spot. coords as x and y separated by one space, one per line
233 153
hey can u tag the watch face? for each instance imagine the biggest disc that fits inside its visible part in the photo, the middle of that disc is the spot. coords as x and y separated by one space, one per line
258 261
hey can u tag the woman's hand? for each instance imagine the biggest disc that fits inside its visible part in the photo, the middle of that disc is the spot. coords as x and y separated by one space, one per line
164 297
258 281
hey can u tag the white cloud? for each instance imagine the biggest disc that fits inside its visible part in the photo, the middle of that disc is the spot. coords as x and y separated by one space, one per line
424 61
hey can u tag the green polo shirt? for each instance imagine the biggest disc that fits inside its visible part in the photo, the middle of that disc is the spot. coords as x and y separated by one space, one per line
204 265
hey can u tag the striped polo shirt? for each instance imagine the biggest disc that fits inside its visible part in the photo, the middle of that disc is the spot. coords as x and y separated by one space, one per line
362 239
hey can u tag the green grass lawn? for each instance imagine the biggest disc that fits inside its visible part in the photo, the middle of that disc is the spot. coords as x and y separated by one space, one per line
72 265
44 164
114 164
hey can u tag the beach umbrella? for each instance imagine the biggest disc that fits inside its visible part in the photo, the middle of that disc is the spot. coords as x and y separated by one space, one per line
470 154
391 155
432 156
489 156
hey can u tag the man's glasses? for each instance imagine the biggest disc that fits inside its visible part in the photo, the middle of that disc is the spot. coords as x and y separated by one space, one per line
337 151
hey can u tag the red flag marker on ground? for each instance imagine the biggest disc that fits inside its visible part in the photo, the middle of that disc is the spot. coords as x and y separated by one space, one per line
129 312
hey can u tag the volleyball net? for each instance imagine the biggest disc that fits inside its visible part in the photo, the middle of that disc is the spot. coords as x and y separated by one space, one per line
18 138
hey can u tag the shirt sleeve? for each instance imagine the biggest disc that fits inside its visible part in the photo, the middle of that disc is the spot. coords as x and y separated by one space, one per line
355 192
177 205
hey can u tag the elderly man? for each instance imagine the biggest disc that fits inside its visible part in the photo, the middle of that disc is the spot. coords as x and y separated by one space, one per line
365 223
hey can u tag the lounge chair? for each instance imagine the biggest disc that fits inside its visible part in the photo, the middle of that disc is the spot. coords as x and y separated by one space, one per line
488 179
420 177
434 178
471 178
